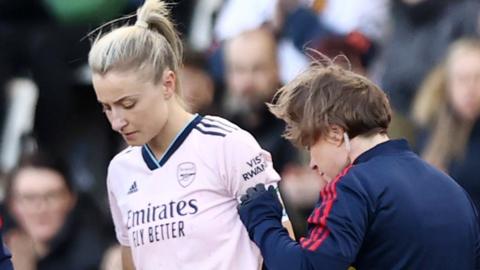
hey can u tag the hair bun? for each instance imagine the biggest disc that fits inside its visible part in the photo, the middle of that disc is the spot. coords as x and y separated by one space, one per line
142 24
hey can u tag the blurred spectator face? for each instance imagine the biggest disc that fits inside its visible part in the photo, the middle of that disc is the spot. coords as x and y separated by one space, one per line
252 72
197 88
40 202
464 83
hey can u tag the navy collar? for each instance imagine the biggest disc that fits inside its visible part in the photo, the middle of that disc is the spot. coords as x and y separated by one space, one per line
386 148
148 155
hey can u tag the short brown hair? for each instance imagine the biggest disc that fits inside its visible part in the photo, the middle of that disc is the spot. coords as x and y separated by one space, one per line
327 94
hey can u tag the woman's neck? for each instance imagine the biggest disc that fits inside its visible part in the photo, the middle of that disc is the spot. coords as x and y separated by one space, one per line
360 145
177 120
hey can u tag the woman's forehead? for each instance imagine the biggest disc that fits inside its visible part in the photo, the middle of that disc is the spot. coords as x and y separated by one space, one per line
38 179
115 85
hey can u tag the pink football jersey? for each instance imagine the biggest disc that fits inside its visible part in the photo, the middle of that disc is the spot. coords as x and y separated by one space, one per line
179 211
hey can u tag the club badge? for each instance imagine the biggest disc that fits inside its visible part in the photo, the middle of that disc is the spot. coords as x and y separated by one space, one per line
186 172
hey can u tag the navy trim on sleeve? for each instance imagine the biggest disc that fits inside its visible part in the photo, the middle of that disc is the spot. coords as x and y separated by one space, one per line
214 133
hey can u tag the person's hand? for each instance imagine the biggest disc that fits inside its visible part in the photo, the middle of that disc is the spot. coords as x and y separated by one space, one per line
259 205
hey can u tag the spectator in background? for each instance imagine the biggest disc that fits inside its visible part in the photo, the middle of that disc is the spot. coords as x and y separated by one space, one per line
298 24
252 78
45 42
19 23
197 85
350 27
343 17
54 227
422 31
292 22
447 109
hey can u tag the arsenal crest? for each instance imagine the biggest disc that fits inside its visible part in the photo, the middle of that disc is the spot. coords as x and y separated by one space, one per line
186 173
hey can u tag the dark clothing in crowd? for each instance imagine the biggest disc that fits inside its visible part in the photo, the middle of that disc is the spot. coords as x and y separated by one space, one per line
466 169
420 37
267 129
5 256
21 10
79 245
81 242
33 45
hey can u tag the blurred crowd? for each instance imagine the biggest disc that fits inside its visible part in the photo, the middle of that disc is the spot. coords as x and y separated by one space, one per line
55 144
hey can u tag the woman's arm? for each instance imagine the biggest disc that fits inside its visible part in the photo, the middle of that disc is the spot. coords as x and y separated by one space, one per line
127 261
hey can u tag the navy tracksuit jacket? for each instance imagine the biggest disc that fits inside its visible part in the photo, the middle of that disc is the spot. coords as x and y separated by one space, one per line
388 210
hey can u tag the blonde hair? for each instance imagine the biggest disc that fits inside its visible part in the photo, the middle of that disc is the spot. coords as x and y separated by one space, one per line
431 109
327 94
151 45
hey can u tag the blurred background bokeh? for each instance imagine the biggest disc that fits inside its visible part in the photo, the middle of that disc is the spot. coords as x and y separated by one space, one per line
55 143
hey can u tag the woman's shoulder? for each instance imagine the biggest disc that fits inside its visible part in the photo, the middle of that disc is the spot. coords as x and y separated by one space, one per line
228 132
216 125
127 156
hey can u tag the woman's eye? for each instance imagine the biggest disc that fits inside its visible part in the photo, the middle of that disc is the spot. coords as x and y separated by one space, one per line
105 108
129 105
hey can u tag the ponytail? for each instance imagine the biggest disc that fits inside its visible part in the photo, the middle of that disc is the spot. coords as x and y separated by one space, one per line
155 15
151 45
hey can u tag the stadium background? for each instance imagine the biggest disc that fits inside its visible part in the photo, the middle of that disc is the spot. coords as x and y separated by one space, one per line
47 101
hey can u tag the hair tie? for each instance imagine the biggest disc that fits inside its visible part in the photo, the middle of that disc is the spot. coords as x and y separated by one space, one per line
141 24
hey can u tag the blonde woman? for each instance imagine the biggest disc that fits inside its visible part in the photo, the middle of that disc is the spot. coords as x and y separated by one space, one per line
173 193
447 109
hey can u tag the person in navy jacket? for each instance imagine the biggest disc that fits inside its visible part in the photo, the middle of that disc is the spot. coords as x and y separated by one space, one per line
382 207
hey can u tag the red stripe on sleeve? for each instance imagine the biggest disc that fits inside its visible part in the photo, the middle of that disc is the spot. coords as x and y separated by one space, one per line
321 232
325 194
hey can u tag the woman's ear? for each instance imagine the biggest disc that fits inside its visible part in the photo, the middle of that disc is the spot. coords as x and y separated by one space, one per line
335 135
169 83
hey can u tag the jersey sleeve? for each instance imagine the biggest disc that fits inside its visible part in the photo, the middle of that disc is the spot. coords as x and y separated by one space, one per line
120 229
246 164
336 230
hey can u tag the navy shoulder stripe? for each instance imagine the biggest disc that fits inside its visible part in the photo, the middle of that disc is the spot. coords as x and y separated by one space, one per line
214 133
207 125
220 123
